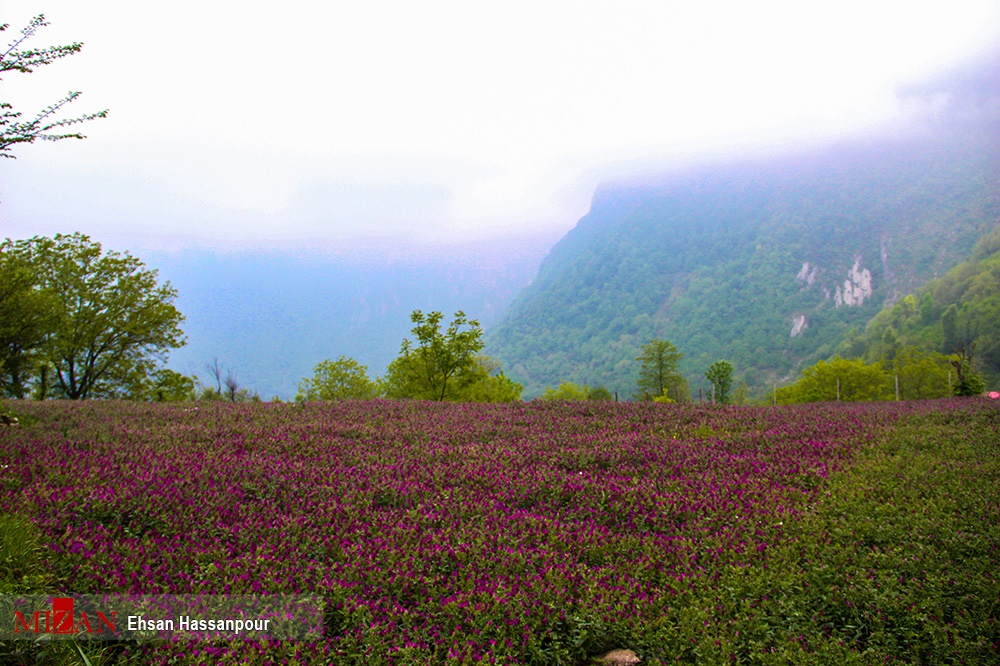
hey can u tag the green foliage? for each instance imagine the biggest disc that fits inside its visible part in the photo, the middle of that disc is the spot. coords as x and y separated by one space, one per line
969 383
949 325
27 315
921 374
664 399
958 313
12 130
659 374
840 379
209 394
491 384
342 379
566 391
21 569
720 374
599 393
440 365
165 385
97 324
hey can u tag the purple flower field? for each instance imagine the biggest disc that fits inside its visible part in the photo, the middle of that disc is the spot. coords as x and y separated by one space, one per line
526 533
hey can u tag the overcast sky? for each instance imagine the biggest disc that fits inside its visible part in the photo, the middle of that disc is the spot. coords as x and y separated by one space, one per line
308 123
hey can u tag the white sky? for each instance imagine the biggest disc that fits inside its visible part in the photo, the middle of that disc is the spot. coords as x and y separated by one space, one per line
304 122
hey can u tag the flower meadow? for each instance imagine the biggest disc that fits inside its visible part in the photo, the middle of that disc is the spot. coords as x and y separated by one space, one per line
538 533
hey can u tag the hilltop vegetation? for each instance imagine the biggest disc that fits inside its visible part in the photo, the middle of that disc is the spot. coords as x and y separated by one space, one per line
768 264
958 313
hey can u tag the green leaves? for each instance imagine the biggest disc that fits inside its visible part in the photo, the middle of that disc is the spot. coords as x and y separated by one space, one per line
12 131
337 380
103 321
659 375
26 316
720 374
838 380
440 365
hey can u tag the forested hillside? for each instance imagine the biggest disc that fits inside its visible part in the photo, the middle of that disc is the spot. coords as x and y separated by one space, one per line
955 314
766 263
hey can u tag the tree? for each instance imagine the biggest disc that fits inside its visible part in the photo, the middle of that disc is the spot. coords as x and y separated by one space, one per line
949 325
215 370
12 130
659 375
921 374
164 385
720 374
491 384
112 323
599 394
440 365
26 316
566 391
232 386
969 383
342 379
839 379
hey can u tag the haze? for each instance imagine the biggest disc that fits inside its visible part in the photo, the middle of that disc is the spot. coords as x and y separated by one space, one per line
306 125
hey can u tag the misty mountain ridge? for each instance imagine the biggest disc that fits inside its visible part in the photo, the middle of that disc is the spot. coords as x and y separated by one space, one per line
767 263
272 316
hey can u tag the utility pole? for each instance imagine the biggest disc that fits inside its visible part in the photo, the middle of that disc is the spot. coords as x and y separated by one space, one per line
897 388
838 389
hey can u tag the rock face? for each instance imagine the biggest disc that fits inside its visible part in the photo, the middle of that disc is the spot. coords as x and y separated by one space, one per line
798 324
856 288
619 658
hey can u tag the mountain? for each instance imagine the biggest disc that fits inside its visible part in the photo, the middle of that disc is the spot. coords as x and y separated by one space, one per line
956 313
767 263
272 316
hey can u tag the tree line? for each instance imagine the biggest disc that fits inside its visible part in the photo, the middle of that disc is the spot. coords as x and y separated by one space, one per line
436 365
77 323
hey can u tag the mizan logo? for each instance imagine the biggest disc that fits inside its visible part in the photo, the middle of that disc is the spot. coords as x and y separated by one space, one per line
62 619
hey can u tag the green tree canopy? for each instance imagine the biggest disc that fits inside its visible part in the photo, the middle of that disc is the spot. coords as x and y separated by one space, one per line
111 323
843 379
968 382
720 374
439 365
659 374
342 379
26 317
566 391
491 384
921 374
